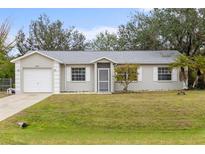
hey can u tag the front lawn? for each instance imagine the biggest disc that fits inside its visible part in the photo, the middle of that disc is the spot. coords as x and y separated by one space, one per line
137 118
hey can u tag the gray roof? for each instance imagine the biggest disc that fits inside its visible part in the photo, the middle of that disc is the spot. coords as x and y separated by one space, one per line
138 57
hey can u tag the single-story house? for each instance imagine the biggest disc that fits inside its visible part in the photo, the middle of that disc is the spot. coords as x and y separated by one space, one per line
93 71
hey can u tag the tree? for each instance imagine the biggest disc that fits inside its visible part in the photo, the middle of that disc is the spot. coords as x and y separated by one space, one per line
182 62
198 67
105 42
126 74
22 44
166 29
127 37
195 63
47 35
6 68
5 46
139 34
178 29
181 29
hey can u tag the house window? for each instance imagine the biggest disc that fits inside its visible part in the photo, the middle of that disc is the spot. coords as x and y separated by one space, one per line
78 74
164 73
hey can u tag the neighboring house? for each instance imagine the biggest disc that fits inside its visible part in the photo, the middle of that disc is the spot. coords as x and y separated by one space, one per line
93 71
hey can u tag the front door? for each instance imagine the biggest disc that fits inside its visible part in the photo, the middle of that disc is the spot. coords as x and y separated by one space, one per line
103 79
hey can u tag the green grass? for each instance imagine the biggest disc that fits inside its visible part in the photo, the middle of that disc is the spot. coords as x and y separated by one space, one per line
135 118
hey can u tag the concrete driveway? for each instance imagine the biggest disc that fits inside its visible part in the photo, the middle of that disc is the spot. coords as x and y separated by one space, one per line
13 104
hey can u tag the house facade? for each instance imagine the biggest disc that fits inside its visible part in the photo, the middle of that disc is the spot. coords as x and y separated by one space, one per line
93 71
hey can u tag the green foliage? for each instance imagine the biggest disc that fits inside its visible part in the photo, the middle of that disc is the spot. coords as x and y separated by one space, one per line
199 63
127 35
196 64
125 74
179 29
6 68
160 29
47 35
182 61
140 33
105 42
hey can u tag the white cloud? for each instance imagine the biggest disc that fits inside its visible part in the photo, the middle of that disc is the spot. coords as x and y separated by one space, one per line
91 33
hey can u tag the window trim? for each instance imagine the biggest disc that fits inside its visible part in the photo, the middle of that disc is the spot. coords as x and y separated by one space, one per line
72 74
164 74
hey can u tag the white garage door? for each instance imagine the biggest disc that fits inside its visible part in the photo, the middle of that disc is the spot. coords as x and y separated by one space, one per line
37 80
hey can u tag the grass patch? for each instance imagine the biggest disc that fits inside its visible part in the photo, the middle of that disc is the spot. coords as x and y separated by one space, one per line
135 118
3 94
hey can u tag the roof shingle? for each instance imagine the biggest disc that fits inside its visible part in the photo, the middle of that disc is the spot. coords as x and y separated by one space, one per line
139 57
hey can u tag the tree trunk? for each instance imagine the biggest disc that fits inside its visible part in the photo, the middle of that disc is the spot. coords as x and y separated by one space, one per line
197 78
125 88
185 86
195 81
183 77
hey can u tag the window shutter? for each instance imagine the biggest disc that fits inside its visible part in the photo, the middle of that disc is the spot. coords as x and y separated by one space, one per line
155 73
174 74
139 71
87 71
68 73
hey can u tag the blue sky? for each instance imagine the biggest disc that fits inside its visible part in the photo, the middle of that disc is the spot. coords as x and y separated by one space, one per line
88 21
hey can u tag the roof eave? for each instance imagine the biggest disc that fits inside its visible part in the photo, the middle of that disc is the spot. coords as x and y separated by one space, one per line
98 59
33 52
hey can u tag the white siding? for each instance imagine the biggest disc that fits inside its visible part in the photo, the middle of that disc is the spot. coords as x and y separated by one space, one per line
18 77
112 77
80 86
155 73
87 71
174 74
95 78
56 77
139 71
68 73
62 77
35 61
148 84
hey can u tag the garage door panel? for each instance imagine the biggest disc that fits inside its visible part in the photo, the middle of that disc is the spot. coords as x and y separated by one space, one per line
37 80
